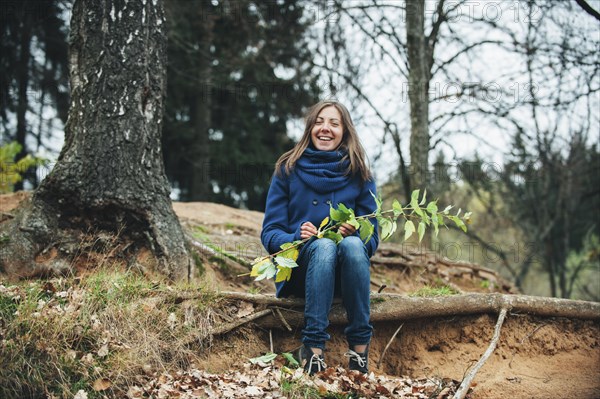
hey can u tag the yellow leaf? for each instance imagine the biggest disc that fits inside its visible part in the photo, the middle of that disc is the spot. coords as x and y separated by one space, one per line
291 253
324 222
284 274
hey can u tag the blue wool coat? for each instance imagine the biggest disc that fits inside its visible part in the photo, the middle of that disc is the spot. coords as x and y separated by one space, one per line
293 200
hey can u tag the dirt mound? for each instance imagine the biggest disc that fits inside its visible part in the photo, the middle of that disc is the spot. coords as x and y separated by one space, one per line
535 357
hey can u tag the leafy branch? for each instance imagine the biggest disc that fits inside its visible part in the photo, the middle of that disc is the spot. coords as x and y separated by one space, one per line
281 263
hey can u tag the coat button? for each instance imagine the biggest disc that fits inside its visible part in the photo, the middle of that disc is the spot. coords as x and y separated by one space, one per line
315 202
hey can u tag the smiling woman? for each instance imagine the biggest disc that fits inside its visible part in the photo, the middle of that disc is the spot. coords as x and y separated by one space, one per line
326 168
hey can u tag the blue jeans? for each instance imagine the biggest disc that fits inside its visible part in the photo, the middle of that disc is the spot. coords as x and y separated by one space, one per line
326 269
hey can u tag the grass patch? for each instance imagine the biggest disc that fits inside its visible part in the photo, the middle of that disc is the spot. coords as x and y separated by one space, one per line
294 389
429 291
62 335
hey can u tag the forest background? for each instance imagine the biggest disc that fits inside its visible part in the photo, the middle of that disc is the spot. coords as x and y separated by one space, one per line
490 105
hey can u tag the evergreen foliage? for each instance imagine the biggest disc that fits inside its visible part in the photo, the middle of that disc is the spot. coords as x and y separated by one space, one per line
243 68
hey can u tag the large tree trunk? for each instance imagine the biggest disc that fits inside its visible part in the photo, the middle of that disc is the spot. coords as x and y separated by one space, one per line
110 175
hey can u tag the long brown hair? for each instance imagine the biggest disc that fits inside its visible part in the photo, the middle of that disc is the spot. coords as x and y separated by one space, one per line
350 142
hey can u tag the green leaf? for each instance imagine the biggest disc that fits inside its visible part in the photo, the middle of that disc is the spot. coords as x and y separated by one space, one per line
292 362
397 208
264 359
424 197
435 221
366 230
462 225
458 222
259 267
422 228
414 203
388 228
415 195
283 274
267 272
447 209
353 222
333 235
432 207
348 212
336 215
285 262
377 202
409 229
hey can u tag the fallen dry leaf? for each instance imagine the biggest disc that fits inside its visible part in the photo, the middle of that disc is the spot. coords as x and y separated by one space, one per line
101 384
103 351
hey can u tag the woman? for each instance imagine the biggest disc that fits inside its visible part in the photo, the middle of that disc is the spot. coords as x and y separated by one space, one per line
328 166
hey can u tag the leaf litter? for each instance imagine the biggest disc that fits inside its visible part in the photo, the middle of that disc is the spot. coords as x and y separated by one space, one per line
267 382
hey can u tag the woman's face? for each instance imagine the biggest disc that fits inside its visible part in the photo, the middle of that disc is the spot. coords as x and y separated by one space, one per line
328 131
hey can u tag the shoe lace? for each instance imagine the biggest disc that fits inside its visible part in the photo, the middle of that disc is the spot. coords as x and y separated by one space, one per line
318 362
361 360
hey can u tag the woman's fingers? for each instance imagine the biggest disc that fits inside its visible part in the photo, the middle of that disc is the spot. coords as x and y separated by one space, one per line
307 230
346 230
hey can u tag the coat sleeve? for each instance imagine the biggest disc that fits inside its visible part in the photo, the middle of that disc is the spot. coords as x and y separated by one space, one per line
365 204
276 229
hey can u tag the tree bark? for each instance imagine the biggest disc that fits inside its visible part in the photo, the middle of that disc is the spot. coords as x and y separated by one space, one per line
388 307
419 54
110 175
418 90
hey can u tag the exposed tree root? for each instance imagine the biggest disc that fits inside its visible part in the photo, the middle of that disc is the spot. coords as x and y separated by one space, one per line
222 329
387 307
388 345
461 392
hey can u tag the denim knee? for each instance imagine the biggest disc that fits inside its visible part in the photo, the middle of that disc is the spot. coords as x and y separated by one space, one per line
351 250
323 250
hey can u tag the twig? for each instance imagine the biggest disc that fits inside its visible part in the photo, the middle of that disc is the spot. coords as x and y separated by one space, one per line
381 288
271 340
388 345
237 323
466 383
283 320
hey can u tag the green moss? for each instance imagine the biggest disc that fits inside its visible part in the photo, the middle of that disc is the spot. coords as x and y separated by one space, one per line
428 291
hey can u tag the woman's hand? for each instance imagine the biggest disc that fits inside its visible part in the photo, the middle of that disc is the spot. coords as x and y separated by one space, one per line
307 230
346 230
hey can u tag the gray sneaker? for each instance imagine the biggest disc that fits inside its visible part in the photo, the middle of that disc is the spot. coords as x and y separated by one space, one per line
358 361
311 362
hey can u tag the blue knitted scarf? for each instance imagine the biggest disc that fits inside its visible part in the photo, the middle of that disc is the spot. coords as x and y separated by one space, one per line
323 171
